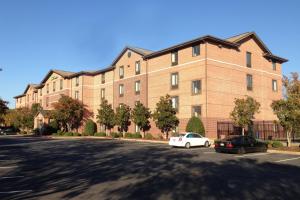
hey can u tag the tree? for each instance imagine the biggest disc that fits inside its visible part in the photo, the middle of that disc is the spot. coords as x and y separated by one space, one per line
69 112
35 108
90 127
122 118
3 109
140 115
195 125
244 111
165 116
287 110
106 115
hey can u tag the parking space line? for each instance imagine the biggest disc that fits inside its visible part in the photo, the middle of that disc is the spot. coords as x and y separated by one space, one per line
288 159
209 152
249 155
11 177
7 167
16 191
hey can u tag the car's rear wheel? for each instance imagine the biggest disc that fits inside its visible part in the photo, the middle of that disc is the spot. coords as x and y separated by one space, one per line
241 150
206 144
187 145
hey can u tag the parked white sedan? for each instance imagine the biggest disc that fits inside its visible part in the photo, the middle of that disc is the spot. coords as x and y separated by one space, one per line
188 140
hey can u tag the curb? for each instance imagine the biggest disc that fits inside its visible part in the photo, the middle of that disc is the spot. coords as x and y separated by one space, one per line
283 152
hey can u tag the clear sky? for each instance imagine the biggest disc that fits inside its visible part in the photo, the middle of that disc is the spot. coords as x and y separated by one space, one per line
74 35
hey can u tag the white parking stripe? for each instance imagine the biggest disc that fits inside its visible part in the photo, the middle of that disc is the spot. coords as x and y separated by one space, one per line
249 155
16 191
287 159
7 167
9 177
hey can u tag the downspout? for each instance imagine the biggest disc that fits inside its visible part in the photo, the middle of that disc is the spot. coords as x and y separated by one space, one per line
146 83
206 98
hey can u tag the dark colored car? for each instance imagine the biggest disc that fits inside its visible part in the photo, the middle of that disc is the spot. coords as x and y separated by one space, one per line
240 145
8 131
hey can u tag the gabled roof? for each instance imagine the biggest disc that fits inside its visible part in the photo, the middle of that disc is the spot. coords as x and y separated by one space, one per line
62 73
140 51
29 86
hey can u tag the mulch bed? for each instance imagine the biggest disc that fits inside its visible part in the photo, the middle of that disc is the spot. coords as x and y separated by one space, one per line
294 149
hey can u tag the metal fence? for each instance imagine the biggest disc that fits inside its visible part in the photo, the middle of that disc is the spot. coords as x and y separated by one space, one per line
266 130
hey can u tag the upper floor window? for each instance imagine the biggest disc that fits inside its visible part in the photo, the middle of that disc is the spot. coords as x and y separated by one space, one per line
47 101
137 87
41 102
61 84
54 86
196 111
121 72
137 67
21 100
174 80
248 59
76 94
102 93
103 78
174 58
249 82
196 50
274 65
196 87
274 85
41 92
47 88
77 81
175 103
32 96
121 90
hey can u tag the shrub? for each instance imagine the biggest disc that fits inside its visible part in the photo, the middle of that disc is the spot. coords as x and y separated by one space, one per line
136 135
36 131
115 135
277 144
68 134
60 133
100 134
90 128
148 136
195 125
128 135
55 134
76 134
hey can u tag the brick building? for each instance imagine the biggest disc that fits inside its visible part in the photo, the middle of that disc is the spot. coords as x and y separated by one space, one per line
203 76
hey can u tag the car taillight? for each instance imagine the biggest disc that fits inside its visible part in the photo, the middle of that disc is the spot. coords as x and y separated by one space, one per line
229 145
217 145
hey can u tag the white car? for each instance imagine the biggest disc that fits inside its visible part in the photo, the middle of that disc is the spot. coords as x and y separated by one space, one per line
188 140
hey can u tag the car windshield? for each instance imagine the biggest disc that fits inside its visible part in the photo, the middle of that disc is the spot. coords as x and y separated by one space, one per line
181 134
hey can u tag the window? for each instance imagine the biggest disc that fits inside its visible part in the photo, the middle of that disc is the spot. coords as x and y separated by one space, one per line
274 85
137 67
196 87
41 102
21 100
248 58
77 81
121 72
47 101
102 93
196 50
274 65
47 88
41 92
174 58
76 94
61 84
54 86
121 90
175 103
137 87
249 82
102 78
32 96
136 102
129 54
174 80
196 111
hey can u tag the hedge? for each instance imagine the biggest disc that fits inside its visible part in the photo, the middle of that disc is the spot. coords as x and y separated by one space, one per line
100 134
90 128
195 125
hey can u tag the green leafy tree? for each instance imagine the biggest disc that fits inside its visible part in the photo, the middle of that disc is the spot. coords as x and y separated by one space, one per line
122 118
35 108
287 110
244 111
3 109
195 125
106 116
140 115
70 113
165 116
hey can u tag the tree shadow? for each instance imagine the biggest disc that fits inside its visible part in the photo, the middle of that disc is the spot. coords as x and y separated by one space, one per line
89 169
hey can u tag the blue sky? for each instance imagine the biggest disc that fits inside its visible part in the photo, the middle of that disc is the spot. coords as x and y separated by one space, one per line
74 35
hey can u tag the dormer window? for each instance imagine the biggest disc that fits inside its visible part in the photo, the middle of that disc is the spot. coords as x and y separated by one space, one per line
174 58
274 65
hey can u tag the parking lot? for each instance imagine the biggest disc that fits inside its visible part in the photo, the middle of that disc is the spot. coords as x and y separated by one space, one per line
37 168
